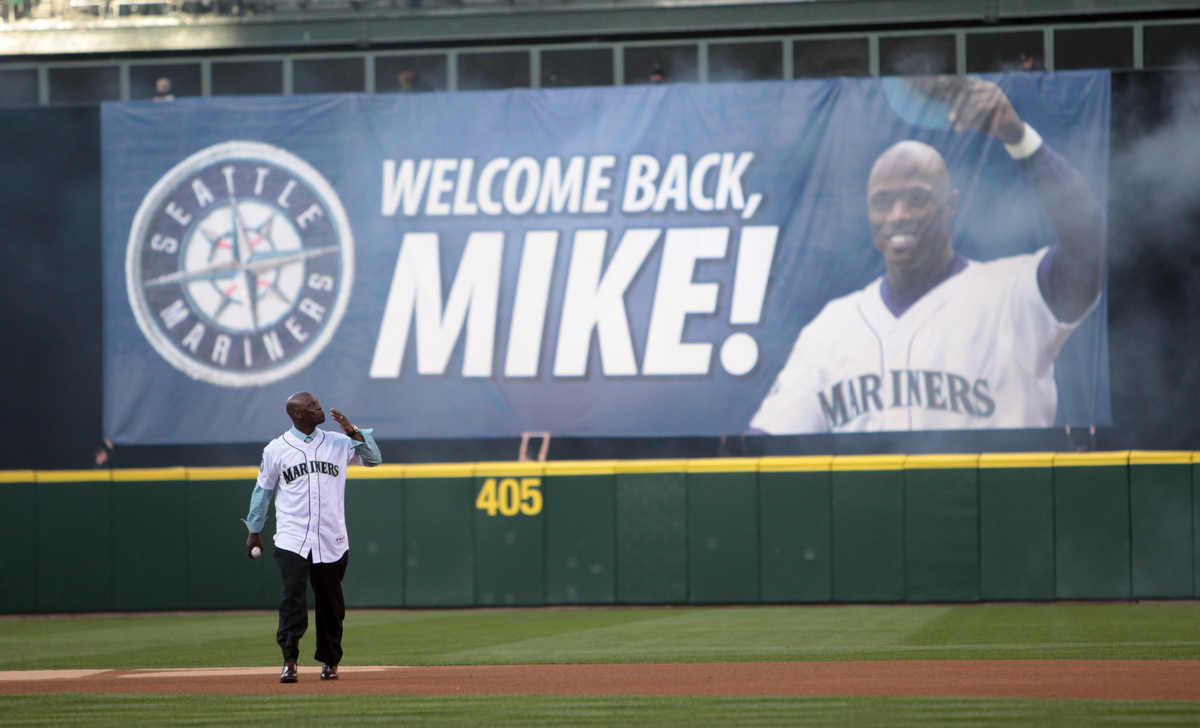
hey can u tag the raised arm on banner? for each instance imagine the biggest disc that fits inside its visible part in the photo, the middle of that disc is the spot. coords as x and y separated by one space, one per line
1072 272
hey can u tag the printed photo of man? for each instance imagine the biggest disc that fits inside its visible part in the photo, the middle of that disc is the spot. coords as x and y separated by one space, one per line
941 342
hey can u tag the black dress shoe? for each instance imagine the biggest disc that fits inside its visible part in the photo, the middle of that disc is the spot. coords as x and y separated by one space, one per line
290 673
329 672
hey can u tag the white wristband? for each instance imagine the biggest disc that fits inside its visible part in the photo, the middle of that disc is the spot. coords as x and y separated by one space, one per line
1030 143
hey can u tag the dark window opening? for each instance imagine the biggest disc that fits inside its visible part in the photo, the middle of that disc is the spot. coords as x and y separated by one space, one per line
998 52
582 67
183 79
505 69
328 75
1093 48
19 87
406 74
917 55
661 64
85 85
824 58
1171 46
244 78
745 61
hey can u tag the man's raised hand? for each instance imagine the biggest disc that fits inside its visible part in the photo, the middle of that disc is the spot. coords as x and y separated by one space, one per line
347 428
981 105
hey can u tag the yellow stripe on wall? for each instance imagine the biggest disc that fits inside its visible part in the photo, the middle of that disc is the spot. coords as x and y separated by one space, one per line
73 476
145 474
240 472
666 465
1016 460
440 470
507 469
1159 457
868 462
802 463
581 467
1073 459
921 462
678 465
722 465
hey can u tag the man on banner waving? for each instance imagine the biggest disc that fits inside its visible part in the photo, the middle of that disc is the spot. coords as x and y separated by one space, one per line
941 342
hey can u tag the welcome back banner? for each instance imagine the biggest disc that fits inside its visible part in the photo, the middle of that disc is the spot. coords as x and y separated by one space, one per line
632 261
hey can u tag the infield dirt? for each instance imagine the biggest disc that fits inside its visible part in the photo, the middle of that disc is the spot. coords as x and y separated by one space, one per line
1096 679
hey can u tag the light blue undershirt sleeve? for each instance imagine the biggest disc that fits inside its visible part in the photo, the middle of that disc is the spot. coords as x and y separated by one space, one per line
259 501
368 450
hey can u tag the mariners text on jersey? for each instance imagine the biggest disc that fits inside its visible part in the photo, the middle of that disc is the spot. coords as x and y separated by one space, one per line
309 480
868 393
303 469
977 351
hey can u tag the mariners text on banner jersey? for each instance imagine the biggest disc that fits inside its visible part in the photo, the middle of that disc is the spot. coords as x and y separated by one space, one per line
975 352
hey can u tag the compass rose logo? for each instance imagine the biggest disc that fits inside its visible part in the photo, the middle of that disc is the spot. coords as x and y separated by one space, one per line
240 264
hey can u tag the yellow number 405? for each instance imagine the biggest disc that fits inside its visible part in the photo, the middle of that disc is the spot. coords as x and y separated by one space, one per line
510 497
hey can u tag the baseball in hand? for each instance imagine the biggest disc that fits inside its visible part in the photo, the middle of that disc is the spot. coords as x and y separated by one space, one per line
255 552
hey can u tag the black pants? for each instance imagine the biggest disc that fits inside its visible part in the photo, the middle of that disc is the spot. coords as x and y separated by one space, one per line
294 571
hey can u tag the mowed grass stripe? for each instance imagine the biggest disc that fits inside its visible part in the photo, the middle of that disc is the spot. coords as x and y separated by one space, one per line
129 710
621 635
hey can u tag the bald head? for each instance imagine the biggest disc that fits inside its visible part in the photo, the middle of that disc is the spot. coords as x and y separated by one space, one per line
305 411
298 401
910 204
911 160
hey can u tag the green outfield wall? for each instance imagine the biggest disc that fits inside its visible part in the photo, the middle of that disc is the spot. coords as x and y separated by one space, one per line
886 528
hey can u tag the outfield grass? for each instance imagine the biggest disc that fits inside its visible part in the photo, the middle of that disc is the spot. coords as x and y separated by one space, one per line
461 637
125 711
456 637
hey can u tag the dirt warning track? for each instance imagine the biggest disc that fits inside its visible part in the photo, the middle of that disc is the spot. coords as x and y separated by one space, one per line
1113 679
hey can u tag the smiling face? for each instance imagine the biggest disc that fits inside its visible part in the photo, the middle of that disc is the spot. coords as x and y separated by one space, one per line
910 205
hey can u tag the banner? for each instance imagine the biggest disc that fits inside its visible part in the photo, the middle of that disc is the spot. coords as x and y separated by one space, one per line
660 260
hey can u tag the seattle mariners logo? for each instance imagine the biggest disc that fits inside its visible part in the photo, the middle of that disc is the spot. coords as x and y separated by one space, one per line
240 264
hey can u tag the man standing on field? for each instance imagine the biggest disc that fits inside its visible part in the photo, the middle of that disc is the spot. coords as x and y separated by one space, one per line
307 467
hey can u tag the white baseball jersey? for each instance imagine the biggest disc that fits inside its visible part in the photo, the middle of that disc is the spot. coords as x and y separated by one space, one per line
977 351
310 484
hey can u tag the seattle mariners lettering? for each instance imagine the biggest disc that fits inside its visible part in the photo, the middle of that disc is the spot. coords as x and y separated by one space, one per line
310 468
852 398
239 264
941 342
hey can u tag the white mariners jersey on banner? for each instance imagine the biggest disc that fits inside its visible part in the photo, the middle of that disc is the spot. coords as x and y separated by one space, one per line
309 480
975 352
